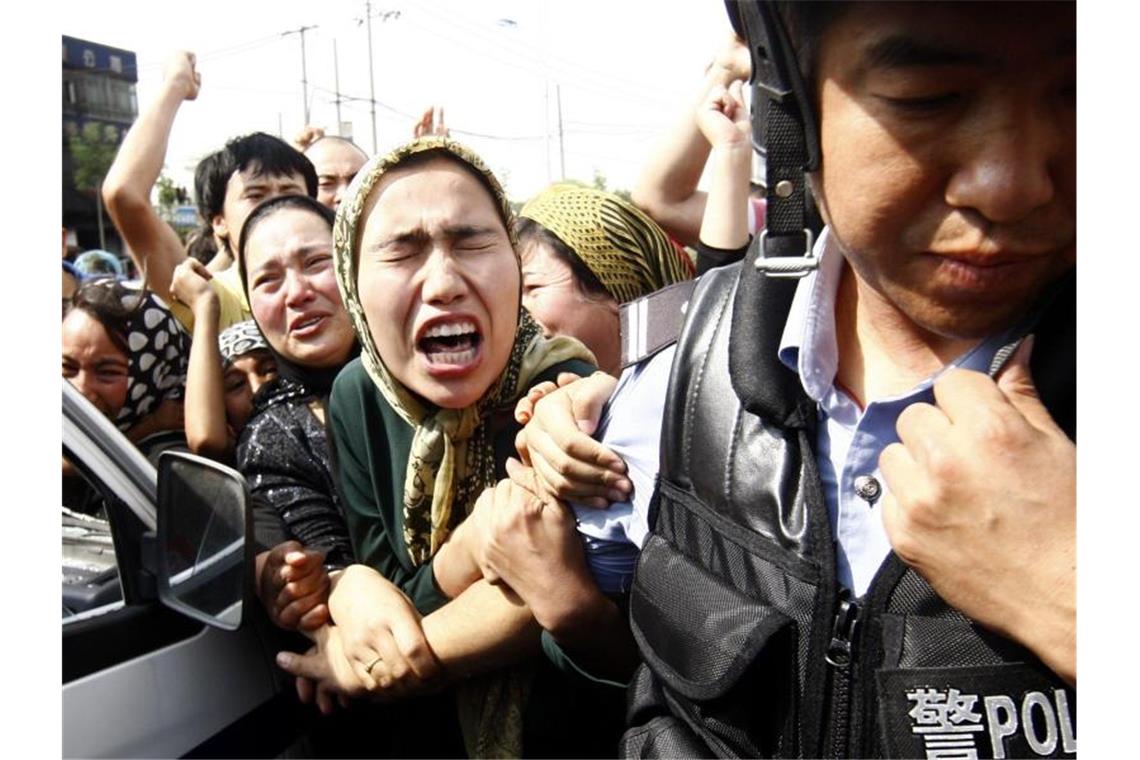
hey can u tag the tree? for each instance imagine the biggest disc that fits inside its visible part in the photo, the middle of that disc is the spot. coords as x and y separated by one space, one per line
93 149
600 184
169 195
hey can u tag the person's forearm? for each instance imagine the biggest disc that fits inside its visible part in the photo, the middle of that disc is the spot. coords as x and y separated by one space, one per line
592 630
140 158
454 565
725 221
674 168
154 246
165 416
484 628
666 189
206 432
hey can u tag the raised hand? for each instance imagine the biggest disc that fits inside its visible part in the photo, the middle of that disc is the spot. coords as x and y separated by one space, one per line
307 136
724 119
733 61
180 72
191 285
431 123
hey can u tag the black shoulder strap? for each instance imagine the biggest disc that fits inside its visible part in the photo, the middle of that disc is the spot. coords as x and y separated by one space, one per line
653 322
763 384
1054 359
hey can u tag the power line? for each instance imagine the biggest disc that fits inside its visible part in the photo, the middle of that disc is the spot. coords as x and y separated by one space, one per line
567 72
350 99
577 128
222 52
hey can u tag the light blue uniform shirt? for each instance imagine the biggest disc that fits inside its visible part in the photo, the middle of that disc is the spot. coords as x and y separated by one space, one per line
631 427
850 439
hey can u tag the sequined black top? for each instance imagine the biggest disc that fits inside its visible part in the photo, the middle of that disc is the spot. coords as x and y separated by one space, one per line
284 455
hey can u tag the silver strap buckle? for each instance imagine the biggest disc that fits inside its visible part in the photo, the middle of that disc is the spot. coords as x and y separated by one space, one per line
787 266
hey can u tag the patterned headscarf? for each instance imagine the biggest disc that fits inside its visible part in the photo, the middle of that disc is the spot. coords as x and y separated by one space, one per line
626 250
452 458
156 345
239 339
158 363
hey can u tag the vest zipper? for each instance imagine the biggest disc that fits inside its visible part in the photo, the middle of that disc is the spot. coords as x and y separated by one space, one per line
839 657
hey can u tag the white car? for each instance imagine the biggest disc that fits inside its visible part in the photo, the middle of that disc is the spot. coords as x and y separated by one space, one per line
157 661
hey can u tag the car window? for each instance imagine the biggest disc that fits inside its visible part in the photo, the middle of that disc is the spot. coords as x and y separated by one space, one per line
90 573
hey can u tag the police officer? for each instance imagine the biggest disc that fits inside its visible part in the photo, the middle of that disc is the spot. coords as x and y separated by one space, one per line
884 469
863 535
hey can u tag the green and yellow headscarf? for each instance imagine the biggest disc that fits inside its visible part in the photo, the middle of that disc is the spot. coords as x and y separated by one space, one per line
626 250
451 459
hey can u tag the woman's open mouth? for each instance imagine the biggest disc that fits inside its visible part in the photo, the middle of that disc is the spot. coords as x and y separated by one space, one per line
307 327
450 345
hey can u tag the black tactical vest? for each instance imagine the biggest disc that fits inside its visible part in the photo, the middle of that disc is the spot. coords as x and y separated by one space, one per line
749 647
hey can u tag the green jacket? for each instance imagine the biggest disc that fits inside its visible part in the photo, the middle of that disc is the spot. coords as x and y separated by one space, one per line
372 443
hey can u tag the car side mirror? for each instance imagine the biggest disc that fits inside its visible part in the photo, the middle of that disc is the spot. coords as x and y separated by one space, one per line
203 527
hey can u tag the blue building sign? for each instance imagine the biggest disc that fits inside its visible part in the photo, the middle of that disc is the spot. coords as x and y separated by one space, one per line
81 54
184 216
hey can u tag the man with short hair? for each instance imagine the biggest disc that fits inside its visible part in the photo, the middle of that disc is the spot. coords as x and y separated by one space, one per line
863 538
228 185
336 160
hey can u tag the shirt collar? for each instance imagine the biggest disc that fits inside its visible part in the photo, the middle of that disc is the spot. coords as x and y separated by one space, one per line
808 345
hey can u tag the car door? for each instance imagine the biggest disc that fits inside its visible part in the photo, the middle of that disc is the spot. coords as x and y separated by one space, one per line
140 679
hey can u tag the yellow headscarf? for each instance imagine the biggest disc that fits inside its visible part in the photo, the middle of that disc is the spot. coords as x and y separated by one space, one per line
452 458
626 250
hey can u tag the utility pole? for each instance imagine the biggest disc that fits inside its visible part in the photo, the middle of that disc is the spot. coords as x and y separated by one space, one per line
304 69
99 213
561 146
336 84
384 16
371 69
546 124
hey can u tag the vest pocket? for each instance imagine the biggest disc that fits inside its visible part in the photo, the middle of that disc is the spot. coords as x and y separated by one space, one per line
727 661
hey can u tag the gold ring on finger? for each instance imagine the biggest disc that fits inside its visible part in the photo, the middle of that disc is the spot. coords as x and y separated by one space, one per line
368 668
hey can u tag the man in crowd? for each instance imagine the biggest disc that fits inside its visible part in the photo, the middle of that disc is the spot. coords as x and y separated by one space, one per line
864 540
863 534
336 160
228 185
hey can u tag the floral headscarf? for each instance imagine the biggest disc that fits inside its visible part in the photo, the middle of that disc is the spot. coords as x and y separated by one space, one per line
451 459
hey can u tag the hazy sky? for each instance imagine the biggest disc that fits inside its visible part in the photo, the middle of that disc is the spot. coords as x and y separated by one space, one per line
624 70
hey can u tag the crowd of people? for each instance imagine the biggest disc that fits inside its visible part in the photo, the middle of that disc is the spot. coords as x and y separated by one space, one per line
586 479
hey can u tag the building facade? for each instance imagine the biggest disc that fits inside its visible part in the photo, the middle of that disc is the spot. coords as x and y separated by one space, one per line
99 105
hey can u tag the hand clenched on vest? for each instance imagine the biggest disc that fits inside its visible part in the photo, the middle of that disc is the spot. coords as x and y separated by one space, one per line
983 506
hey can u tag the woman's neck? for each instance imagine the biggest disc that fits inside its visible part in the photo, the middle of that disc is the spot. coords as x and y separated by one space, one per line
608 351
